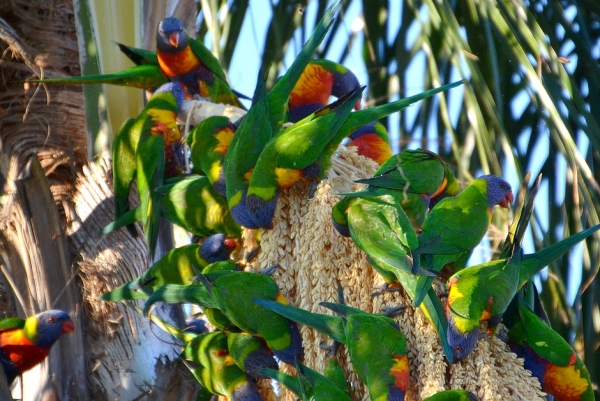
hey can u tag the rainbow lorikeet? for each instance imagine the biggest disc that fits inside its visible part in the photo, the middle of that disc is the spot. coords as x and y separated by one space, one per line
289 156
192 203
188 61
250 353
547 355
304 150
24 343
149 149
209 142
376 346
484 292
217 371
175 268
232 292
455 226
420 175
372 141
320 80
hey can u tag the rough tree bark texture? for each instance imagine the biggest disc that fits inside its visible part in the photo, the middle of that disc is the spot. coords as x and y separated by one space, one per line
52 253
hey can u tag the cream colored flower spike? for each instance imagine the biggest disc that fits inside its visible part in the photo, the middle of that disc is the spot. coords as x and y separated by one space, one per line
313 257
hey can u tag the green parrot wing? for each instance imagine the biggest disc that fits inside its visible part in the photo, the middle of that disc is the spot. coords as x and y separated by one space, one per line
339 215
140 76
234 294
279 95
150 155
323 388
331 326
410 171
124 163
207 58
296 384
138 56
453 395
176 293
11 323
544 341
382 230
194 205
130 217
377 350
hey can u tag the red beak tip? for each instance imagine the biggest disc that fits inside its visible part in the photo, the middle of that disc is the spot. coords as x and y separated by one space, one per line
68 327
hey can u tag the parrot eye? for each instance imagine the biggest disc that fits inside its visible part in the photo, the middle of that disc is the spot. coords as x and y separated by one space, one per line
52 319
458 348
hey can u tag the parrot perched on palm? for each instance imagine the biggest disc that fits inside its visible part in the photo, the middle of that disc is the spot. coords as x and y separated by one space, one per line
376 346
455 226
24 343
420 175
547 355
142 149
175 268
320 80
250 353
371 141
304 150
290 156
188 61
483 292
232 293
209 142
217 371
192 203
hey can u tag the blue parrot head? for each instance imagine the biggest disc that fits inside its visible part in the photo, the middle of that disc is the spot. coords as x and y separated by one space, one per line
170 35
177 89
262 211
344 83
461 343
217 248
49 326
365 129
499 191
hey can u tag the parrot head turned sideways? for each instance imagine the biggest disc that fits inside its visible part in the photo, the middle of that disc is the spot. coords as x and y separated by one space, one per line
217 248
170 35
499 191
26 343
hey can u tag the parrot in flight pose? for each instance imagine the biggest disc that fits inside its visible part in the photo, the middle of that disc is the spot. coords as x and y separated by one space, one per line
175 268
376 345
24 343
547 355
455 226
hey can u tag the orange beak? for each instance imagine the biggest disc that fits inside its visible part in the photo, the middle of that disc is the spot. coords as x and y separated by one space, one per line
231 245
358 105
174 39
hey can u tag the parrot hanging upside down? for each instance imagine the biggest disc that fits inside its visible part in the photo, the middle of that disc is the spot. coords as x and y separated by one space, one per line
24 343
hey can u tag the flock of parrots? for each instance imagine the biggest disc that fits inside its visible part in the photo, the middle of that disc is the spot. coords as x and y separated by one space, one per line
411 220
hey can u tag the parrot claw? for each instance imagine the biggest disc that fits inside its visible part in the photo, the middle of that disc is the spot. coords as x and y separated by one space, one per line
312 189
268 271
332 349
383 289
393 311
250 255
